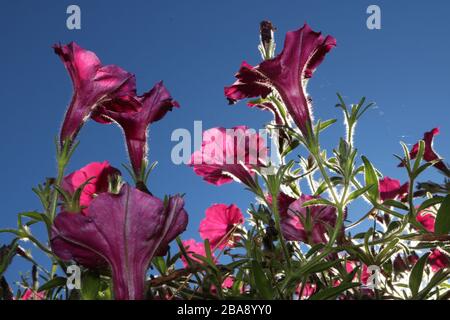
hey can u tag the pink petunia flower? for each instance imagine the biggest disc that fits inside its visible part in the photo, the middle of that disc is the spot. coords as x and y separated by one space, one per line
390 189
193 247
429 154
306 290
151 107
32 295
308 224
218 224
93 84
229 153
438 260
287 73
123 231
351 265
227 283
98 173
427 218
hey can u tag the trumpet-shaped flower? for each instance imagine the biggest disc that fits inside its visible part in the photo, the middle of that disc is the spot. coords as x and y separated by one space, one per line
93 84
391 189
287 73
152 106
123 231
429 153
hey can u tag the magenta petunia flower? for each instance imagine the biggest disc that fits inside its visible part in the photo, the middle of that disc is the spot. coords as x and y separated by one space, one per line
427 218
227 283
229 153
284 201
308 224
153 105
93 84
402 263
123 231
429 154
438 260
193 247
390 189
218 224
306 290
98 173
351 265
32 295
287 73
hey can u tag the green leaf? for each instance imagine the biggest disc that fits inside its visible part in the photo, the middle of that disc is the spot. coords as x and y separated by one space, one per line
371 178
438 277
7 253
331 293
442 225
430 202
262 283
90 285
324 186
322 266
160 264
355 194
396 204
326 124
415 278
320 201
53 283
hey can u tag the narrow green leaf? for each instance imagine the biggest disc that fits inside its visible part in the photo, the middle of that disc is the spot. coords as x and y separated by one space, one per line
331 293
371 178
396 204
6 255
415 278
262 283
53 283
90 285
442 225
320 201
326 124
430 202
355 194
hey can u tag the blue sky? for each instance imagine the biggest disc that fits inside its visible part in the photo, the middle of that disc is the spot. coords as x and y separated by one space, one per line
196 47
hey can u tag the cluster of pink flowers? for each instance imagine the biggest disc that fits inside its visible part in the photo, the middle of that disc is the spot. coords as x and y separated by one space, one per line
103 222
293 241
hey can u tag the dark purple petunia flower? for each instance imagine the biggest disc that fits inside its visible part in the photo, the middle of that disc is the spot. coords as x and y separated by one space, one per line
308 224
287 73
123 231
93 83
153 105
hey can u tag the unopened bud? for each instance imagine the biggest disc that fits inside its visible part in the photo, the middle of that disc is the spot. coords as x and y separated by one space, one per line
266 30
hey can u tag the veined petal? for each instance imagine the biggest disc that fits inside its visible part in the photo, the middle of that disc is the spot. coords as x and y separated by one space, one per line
126 231
92 84
303 52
